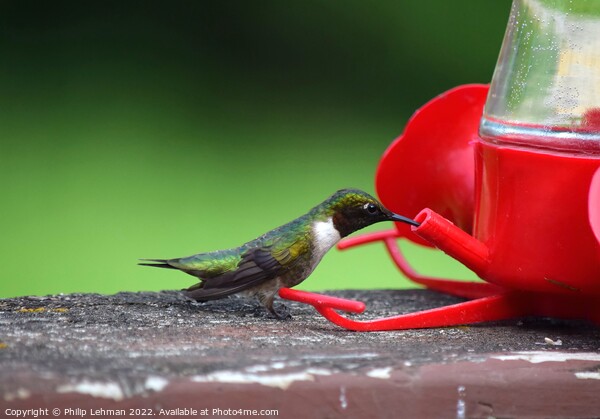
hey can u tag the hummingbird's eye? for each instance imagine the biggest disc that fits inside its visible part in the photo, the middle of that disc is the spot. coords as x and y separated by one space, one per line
370 208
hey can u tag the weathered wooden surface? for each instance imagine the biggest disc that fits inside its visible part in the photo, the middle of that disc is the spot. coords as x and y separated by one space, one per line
162 351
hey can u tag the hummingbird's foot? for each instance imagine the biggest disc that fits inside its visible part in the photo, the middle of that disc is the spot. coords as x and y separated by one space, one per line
267 301
282 314
260 311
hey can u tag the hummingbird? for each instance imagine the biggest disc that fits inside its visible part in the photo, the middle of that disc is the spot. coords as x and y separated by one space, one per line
283 257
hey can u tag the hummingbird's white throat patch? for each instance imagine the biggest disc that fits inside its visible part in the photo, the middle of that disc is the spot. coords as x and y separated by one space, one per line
325 236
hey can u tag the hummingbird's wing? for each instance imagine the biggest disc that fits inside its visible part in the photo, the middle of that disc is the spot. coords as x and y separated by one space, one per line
258 265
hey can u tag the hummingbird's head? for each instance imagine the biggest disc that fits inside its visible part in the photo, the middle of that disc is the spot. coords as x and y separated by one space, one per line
353 209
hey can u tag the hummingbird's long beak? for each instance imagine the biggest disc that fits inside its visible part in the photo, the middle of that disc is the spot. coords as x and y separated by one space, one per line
396 217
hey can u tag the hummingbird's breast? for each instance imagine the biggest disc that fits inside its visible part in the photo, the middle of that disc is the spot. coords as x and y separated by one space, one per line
325 236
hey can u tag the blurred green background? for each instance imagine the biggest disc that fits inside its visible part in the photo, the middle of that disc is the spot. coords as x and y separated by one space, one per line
134 129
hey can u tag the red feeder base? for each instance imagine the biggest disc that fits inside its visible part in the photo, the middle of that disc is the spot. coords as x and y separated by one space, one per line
488 302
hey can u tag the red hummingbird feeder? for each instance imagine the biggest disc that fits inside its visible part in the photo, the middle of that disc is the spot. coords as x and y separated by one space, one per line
508 185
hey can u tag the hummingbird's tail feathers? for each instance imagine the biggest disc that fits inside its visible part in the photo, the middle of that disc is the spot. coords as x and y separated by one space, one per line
157 263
